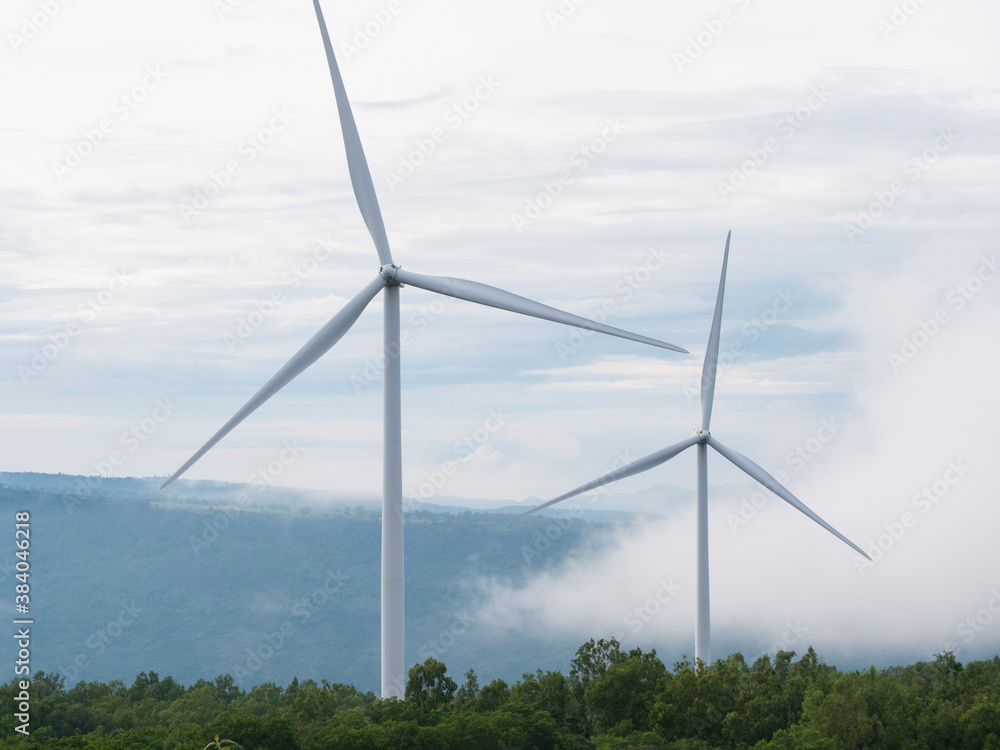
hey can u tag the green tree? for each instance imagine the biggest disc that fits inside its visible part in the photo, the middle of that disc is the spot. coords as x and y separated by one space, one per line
590 663
493 696
797 739
622 698
197 706
863 709
465 698
544 691
692 703
225 689
256 732
218 744
143 686
593 659
981 723
429 686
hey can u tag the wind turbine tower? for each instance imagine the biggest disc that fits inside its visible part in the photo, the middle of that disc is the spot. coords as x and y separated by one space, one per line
389 279
702 439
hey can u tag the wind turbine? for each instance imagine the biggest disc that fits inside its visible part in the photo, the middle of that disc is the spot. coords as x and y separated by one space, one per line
702 439
389 279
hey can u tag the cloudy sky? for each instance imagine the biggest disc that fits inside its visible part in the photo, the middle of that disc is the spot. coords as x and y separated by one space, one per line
177 220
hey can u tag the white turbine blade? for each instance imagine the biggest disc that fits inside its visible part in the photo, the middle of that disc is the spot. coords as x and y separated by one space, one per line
316 347
778 489
361 178
636 467
711 365
473 291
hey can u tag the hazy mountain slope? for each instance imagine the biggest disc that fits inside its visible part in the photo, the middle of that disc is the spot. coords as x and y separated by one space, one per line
123 586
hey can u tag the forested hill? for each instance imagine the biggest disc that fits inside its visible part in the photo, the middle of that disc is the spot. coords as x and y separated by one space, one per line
122 586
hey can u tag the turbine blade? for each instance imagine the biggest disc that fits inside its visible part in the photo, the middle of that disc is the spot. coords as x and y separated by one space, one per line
636 467
711 365
361 178
778 489
490 296
316 347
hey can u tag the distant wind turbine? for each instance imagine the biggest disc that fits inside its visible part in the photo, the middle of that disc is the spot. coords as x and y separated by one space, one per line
389 279
703 438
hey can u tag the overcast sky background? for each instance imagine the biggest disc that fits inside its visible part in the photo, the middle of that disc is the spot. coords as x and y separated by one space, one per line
870 87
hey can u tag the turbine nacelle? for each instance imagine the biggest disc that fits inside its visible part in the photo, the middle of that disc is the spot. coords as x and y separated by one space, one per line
388 272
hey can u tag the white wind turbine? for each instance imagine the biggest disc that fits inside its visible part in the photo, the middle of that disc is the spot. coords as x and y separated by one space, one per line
389 279
703 438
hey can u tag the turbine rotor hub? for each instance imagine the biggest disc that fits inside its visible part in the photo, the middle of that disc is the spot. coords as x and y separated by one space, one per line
388 272
703 436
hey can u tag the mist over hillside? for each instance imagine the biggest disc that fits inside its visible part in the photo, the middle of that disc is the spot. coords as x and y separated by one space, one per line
271 583
606 506
197 585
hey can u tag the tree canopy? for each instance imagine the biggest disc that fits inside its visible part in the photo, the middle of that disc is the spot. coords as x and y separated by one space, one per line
611 699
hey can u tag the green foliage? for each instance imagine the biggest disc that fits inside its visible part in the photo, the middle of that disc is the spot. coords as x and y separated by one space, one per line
429 686
465 698
798 739
621 700
493 697
611 700
218 744
256 732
